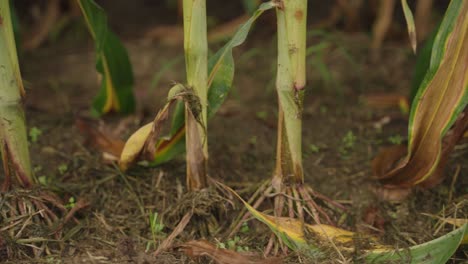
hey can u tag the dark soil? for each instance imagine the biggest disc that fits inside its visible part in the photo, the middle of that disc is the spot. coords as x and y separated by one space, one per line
61 82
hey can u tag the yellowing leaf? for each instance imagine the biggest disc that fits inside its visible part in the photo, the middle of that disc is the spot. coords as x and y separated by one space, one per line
440 101
134 146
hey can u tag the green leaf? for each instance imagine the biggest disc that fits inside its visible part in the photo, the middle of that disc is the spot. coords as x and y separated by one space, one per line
112 63
221 73
422 64
433 252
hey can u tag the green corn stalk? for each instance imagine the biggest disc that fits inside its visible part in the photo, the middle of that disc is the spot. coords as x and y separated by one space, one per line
196 62
290 84
13 136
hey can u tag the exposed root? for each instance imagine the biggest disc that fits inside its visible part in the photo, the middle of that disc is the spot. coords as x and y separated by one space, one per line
30 220
295 201
198 213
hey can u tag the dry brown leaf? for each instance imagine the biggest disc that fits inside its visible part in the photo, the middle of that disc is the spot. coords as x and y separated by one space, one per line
387 100
392 194
203 248
97 138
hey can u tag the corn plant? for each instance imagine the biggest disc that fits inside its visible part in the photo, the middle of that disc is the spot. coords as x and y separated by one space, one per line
148 144
438 117
290 84
288 176
196 63
13 136
438 107
24 205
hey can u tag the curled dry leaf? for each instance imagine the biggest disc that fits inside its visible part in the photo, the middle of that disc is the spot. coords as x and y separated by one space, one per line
146 142
372 217
109 145
387 100
134 146
203 248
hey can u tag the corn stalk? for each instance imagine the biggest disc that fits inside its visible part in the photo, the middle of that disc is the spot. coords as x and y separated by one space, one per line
290 84
13 136
196 62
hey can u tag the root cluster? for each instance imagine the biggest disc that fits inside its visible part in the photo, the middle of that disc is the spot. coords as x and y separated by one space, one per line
296 201
30 220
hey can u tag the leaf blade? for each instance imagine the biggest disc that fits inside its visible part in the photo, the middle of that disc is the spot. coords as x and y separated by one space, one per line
112 63
440 99
410 24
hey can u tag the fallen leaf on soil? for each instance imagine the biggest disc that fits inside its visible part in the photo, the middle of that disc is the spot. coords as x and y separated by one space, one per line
387 100
203 248
97 138
373 217
392 194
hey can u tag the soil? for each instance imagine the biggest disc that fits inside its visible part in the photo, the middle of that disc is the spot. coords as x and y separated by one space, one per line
61 82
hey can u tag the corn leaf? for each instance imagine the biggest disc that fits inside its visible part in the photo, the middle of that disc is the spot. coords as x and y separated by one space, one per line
112 63
221 74
440 100
433 252
410 24
422 64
